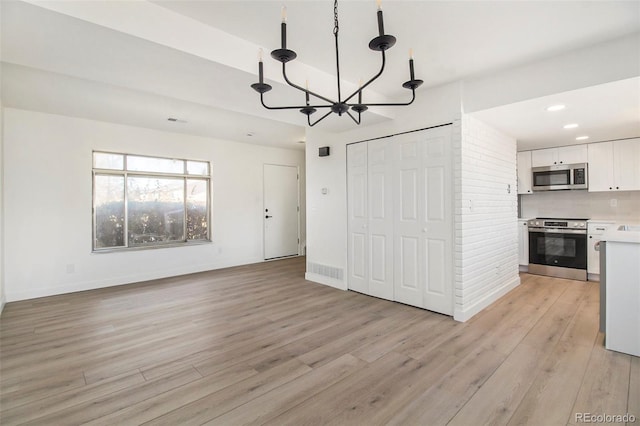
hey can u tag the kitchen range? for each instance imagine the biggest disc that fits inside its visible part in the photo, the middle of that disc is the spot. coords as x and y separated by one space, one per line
558 247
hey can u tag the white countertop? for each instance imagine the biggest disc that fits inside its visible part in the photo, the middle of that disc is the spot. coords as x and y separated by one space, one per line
616 235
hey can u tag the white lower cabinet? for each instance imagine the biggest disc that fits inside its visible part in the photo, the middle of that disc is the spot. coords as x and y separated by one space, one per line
523 242
400 224
594 233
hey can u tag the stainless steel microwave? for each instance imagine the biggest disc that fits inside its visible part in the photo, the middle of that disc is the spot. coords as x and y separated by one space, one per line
561 176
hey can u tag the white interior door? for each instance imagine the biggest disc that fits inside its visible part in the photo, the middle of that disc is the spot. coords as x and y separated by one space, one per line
424 220
357 221
408 247
400 219
380 217
281 211
437 235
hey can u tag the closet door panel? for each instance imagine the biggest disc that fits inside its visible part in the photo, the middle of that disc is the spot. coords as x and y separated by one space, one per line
357 221
408 252
380 220
409 265
438 220
434 195
435 261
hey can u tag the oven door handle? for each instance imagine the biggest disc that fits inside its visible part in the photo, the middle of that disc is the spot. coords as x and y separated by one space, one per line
558 231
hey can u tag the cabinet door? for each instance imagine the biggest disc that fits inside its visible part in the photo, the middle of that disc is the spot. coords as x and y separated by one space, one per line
572 154
544 157
600 166
523 243
524 172
593 254
626 164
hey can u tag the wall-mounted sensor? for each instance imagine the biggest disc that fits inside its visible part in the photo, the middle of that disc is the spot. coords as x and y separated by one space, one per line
323 151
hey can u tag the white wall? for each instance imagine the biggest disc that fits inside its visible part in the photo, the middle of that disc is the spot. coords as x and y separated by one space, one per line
486 246
47 191
486 250
326 219
598 64
327 214
623 206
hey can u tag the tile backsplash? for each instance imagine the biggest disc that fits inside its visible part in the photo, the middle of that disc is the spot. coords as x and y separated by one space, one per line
623 206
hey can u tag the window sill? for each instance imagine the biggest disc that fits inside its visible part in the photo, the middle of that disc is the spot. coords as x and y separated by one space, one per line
151 247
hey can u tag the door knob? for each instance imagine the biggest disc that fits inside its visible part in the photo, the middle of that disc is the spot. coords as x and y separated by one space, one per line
267 217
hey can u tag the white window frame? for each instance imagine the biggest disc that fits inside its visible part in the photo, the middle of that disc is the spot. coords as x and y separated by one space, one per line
125 173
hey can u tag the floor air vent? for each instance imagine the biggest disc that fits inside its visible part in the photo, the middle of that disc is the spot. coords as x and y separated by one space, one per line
324 270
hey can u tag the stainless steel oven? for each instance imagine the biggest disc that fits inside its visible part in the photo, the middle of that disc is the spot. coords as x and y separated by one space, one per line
558 247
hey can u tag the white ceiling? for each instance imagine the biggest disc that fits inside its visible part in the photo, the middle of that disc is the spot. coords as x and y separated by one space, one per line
604 112
55 62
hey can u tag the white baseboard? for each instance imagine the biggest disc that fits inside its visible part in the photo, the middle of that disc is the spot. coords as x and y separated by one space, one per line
122 280
321 279
466 314
2 303
524 268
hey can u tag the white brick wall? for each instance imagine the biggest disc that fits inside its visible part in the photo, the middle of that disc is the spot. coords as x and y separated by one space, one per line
486 232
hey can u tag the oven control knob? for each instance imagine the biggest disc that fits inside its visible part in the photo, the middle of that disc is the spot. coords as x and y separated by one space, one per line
575 223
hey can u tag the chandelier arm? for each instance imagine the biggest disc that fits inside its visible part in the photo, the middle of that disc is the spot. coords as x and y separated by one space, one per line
290 107
353 118
295 86
413 98
375 77
319 119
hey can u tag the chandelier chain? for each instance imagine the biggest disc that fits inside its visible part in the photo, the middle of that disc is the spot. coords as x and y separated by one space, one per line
336 27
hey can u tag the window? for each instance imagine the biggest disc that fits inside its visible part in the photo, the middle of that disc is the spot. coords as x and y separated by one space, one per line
141 201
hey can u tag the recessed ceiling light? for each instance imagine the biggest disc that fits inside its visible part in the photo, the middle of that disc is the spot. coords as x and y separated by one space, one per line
570 126
301 142
581 138
556 108
249 134
176 120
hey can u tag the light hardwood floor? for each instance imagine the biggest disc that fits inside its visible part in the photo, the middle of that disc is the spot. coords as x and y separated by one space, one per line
258 344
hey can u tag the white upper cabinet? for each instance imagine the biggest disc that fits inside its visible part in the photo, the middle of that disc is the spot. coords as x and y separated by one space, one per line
614 166
561 155
524 172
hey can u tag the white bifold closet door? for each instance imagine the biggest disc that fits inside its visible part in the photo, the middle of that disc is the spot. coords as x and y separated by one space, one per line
400 204
370 253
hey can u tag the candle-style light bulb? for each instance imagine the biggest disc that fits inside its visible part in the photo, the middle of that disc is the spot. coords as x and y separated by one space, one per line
260 55
379 3
411 64
283 28
260 70
380 22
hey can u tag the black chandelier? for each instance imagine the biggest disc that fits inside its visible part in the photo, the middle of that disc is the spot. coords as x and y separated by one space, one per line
380 43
